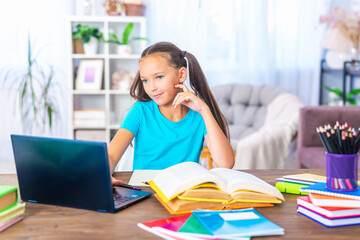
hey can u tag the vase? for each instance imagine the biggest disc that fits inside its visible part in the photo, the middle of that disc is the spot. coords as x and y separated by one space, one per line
123 50
90 48
336 59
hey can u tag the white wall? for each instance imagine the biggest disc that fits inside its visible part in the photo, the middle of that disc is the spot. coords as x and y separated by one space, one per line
45 22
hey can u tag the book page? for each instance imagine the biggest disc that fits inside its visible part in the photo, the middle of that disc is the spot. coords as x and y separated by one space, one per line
237 180
139 177
180 177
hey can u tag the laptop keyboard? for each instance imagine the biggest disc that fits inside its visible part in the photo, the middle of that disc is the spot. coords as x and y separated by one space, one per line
120 200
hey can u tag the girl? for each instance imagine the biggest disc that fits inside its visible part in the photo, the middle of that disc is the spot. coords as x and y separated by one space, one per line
168 121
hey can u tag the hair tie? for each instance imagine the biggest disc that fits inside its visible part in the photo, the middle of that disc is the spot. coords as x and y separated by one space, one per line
182 54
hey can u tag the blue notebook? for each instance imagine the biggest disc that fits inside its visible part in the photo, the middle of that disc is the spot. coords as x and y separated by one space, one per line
320 188
237 223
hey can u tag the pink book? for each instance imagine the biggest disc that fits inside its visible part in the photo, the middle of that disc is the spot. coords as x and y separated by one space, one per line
10 222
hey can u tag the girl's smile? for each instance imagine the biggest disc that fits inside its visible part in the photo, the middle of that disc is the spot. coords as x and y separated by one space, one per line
157 96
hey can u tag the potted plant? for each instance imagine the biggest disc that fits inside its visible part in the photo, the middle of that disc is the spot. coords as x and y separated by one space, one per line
338 94
123 46
35 86
90 36
134 7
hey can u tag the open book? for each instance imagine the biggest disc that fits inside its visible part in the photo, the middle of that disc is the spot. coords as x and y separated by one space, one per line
188 186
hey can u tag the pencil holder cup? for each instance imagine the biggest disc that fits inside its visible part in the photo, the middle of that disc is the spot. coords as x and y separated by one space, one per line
341 172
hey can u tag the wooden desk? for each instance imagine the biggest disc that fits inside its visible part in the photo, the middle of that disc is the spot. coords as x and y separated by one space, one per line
53 222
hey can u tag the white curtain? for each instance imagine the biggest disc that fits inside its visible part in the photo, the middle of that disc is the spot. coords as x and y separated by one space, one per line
274 42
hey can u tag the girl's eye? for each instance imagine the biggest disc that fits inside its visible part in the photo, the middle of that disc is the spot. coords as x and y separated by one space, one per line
144 81
160 77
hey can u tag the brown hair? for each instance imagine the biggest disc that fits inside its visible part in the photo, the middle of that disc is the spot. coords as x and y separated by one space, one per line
198 82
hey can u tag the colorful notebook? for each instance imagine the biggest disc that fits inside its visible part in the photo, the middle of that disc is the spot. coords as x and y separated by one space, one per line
171 223
329 212
320 188
237 223
10 222
326 221
331 201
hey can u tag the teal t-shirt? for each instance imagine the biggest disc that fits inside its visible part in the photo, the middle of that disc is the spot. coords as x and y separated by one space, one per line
161 143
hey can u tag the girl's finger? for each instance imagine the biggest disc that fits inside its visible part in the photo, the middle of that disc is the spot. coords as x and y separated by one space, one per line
182 99
182 86
177 97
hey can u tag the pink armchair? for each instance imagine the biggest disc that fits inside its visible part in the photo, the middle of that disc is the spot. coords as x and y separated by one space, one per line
311 153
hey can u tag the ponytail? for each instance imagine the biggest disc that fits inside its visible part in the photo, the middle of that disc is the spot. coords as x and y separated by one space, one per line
201 88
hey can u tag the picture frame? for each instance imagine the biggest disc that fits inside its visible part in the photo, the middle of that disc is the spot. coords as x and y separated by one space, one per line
89 74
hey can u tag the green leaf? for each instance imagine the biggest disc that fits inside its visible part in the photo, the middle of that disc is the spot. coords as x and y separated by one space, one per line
337 91
126 33
355 91
351 101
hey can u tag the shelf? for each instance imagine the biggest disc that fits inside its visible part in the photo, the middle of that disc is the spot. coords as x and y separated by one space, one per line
110 56
119 92
131 56
89 92
87 56
114 102
114 19
89 128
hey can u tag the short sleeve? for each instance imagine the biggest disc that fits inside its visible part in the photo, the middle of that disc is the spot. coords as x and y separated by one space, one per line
132 119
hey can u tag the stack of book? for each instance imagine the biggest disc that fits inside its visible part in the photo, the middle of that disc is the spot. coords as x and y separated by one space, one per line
188 186
207 224
11 211
330 208
292 183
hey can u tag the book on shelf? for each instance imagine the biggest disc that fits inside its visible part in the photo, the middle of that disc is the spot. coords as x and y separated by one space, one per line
320 188
91 135
237 223
331 201
89 114
89 118
188 186
329 212
328 222
8 197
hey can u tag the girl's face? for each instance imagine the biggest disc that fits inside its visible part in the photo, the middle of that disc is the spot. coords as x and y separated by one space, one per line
159 78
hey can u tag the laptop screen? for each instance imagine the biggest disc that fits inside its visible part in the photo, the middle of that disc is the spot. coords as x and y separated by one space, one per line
63 172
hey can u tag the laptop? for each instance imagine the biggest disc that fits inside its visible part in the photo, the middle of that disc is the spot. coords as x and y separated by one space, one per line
70 173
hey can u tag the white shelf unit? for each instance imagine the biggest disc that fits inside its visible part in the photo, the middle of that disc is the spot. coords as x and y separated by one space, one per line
115 103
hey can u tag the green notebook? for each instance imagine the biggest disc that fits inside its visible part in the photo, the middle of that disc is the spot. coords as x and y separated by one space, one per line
292 188
8 197
192 225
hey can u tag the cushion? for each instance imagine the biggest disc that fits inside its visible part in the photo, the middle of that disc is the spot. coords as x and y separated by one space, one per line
244 107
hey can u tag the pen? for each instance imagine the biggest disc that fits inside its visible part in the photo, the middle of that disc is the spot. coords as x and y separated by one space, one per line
145 183
130 186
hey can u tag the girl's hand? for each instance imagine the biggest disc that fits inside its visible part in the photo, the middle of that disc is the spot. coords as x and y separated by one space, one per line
115 182
188 99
